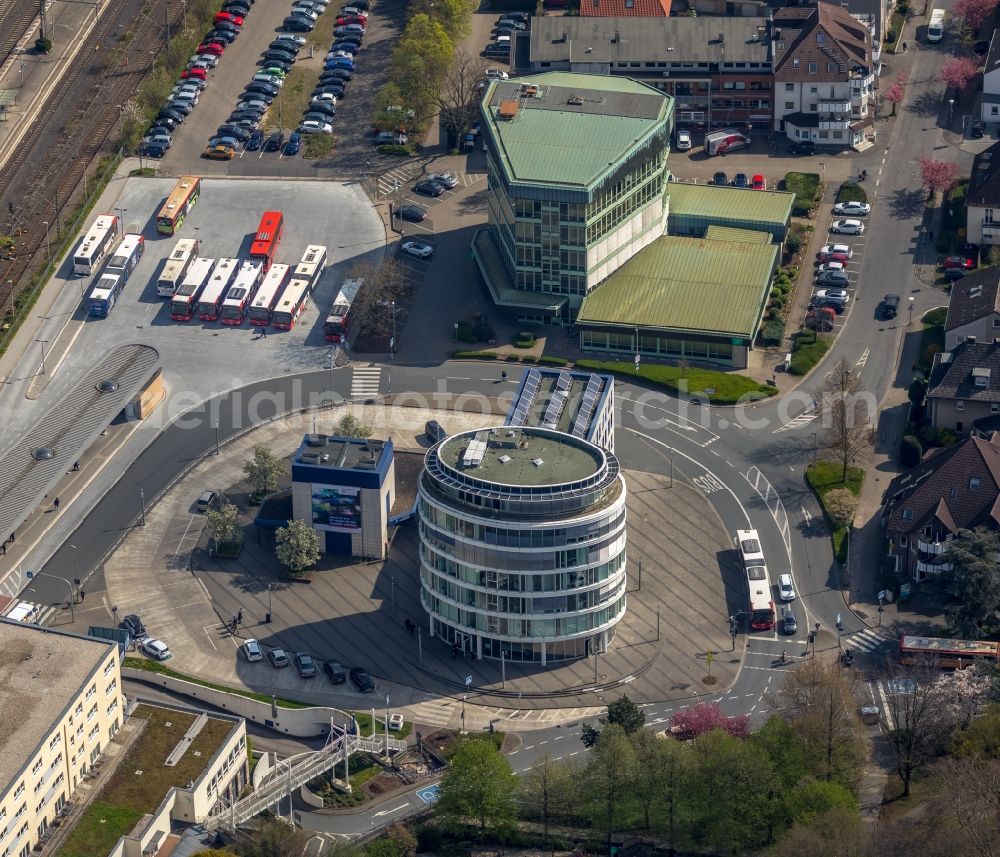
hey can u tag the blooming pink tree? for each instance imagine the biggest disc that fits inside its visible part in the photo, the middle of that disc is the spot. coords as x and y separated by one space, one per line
938 175
973 12
894 94
958 71
705 717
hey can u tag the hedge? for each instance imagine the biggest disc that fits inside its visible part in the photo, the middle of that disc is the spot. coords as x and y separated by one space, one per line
728 388
806 354
475 355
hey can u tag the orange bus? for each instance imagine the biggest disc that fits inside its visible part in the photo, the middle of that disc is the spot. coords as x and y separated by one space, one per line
268 237
948 654
180 202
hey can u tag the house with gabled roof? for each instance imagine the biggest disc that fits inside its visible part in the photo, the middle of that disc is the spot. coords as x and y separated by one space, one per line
964 386
973 309
956 488
982 199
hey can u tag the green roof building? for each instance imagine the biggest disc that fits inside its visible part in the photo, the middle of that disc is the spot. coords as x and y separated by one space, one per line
576 167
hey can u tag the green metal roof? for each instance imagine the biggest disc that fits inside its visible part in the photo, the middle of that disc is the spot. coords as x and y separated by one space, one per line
577 127
725 203
687 284
731 233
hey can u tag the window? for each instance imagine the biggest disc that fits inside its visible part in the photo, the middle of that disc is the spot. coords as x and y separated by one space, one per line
813 90
108 668
92 713
996 322
55 741
831 67
907 514
90 692
795 62
36 767
959 405
19 792
987 215
902 541
973 483
953 493
813 68
789 87
111 687
789 105
995 408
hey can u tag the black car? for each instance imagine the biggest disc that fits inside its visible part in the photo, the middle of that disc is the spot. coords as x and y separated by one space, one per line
153 150
411 212
295 24
237 7
321 112
133 624
976 130
244 118
741 180
305 665
362 681
804 147
330 89
336 74
226 37
352 48
280 56
168 114
274 142
255 141
284 65
720 178
158 128
184 107
335 672
831 303
294 143
241 134
429 188
347 39
166 122
952 274
890 306
227 27
284 45
262 88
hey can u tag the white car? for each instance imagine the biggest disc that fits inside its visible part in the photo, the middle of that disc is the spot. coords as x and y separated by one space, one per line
156 649
305 12
326 99
251 651
832 249
205 59
497 74
832 294
683 140
857 209
847 227
338 54
418 249
447 179
829 266
311 126
786 589
290 37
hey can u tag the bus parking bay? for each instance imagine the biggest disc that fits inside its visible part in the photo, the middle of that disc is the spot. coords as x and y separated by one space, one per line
224 221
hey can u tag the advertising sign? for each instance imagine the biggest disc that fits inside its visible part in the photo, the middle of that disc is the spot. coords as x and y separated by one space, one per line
336 509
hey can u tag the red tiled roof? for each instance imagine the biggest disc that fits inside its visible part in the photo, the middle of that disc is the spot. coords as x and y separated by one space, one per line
625 8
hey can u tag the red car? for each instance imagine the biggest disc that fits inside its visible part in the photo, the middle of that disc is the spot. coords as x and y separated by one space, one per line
193 72
344 20
758 183
958 262
214 48
235 20
843 258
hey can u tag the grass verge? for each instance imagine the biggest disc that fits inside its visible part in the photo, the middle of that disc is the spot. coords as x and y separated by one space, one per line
720 388
851 192
823 477
807 351
317 146
807 187
286 110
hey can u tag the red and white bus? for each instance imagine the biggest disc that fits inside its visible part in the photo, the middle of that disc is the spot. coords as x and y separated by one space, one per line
100 240
210 302
268 237
267 295
184 303
184 253
338 321
761 598
947 654
290 304
312 265
242 293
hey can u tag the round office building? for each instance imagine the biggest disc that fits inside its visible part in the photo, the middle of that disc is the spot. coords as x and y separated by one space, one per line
522 544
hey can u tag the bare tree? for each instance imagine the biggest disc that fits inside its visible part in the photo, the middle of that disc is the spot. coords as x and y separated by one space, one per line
387 286
458 98
818 697
967 803
845 416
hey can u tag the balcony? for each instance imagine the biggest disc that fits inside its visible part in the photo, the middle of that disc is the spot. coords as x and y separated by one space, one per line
933 567
838 124
933 548
833 105
991 232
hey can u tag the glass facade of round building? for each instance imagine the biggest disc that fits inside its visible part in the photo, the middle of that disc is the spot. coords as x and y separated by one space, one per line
522 544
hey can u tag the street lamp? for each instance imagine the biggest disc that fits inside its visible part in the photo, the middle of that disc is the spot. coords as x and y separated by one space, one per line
72 594
45 223
267 618
43 343
951 110
911 300
76 563
121 219
392 342
142 503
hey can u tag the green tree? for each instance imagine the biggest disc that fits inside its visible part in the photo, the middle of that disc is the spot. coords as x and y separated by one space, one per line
659 774
835 833
784 747
841 505
389 101
814 797
420 60
917 391
547 791
405 841
480 785
224 524
625 713
609 774
273 837
974 583
455 16
264 469
351 426
297 547
981 738
382 847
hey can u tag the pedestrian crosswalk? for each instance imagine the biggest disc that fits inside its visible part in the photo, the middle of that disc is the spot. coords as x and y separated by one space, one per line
365 382
800 420
867 641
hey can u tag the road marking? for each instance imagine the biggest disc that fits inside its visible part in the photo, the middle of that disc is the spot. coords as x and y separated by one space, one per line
430 794
800 420
365 382
392 810
806 515
863 358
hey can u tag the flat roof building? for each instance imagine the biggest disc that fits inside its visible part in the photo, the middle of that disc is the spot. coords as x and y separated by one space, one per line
60 704
522 544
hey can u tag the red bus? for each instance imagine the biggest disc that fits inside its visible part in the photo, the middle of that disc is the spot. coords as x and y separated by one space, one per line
337 323
184 303
267 295
268 237
759 583
210 302
234 307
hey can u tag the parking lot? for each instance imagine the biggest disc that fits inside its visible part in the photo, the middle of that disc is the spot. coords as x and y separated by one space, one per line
202 356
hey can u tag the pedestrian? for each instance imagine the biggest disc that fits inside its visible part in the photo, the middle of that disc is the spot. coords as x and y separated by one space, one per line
263 333
82 595
11 539
503 376
904 47
239 617
3 549
76 465
55 503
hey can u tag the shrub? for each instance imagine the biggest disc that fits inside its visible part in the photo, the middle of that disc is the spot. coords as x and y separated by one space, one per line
554 361
910 451
465 332
429 839
804 357
393 149
529 358
483 329
475 355
524 339
773 332
513 358
806 337
793 242
935 316
946 437
806 187
851 192
841 504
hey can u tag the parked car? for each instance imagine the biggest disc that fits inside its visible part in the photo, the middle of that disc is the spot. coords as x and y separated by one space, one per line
336 74
497 74
206 501
335 672
228 130
786 589
290 37
758 183
952 274
255 141
418 249
153 150
335 89
278 56
959 262
429 188
159 137
832 294
305 665
847 227
391 138
890 306
683 140
831 265
853 208
294 143
156 649
194 73
446 179
226 37
295 24
362 681
315 126
277 658
274 142
976 130
804 147
831 252
133 624
413 213
251 651
820 303
219 152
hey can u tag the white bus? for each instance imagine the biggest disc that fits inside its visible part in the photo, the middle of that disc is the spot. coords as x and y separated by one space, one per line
96 244
761 602
210 302
267 294
126 257
184 253
312 265
242 293
935 28
185 299
290 304
105 294
338 320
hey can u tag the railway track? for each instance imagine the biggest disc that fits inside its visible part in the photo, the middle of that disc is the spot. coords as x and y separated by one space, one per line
15 19
82 111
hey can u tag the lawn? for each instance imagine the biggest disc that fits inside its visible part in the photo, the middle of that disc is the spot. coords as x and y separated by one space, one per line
99 829
726 388
851 192
807 188
286 110
823 477
931 338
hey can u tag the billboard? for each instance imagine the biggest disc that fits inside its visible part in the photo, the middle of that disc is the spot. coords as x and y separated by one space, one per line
336 509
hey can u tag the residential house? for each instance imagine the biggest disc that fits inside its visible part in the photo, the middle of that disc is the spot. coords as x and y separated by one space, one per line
964 386
954 489
824 76
990 102
973 309
982 200
625 8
